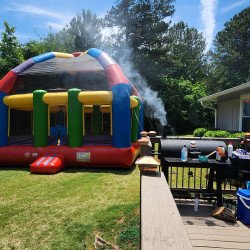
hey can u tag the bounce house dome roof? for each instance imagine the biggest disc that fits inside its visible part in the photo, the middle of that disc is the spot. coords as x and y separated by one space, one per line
90 70
83 72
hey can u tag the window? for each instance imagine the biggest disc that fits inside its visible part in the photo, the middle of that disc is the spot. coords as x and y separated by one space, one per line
246 115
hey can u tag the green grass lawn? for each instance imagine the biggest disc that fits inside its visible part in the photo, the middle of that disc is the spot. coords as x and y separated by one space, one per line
66 210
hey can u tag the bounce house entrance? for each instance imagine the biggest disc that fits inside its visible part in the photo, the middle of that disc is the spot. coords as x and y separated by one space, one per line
58 123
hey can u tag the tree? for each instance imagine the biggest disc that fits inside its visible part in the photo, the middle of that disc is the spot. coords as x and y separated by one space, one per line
230 59
85 29
141 23
33 48
61 41
184 112
83 32
10 50
184 57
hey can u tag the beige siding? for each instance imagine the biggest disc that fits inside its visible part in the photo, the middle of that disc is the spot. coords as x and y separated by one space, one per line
228 113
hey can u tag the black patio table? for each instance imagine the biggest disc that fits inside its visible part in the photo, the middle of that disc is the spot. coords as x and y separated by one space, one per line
212 164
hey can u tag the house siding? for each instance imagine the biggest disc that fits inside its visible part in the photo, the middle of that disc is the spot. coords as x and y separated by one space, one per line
228 114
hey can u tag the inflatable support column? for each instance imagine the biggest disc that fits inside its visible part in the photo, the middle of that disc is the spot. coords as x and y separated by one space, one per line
135 120
40 119
75 120
121 116
3 121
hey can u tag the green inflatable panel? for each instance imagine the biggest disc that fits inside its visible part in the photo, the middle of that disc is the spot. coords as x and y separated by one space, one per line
75 119
135 121
40 119
96 120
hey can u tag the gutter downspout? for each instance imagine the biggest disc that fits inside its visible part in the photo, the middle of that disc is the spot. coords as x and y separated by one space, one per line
215 112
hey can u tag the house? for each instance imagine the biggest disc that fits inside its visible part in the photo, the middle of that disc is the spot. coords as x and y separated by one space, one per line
231 107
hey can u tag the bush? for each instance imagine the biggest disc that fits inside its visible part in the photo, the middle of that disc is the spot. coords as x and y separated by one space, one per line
216 133
199 132
203 132
237 134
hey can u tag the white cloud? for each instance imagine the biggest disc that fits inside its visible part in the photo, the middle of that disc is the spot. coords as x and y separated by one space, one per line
59 19
233 6
31 9
55 26
208 9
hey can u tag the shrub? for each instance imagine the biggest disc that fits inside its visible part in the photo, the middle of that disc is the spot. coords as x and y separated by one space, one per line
218 133
237 134
199 132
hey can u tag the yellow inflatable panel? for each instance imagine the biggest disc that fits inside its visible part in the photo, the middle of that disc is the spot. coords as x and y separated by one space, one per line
95 97
19 100
62 55
105 108
56 99
83 53
88 109
87 98
30 108
133 102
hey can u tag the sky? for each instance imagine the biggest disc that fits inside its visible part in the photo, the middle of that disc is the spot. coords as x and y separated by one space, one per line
33 19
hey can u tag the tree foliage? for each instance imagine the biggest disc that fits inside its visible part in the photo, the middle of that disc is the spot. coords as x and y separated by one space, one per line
142 23
185 53
83 32
181 100
231 56
85 29
10 50
33 48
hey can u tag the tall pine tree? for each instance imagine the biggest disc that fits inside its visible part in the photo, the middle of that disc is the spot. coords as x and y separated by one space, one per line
10 50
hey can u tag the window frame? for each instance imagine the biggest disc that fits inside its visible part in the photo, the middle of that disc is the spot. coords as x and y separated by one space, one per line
242 99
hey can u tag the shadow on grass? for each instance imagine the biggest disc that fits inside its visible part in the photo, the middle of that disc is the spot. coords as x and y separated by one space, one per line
114 170
19 168
78 169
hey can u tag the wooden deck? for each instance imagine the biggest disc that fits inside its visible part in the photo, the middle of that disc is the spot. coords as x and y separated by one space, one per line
172 224
206 232
161 224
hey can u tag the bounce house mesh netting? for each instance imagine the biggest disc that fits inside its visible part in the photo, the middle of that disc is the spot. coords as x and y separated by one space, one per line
83 72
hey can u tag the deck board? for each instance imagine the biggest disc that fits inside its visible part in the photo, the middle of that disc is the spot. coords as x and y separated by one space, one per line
206 232
220 244
161 224
224 238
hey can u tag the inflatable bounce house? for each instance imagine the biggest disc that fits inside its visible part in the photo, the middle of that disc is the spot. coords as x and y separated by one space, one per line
60 109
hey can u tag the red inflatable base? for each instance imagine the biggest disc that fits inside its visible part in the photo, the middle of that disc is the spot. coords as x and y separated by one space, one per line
47 165
80 156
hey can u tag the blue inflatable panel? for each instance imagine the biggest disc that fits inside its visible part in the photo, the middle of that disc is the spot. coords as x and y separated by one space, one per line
94 52
141 120
43 57
54 132
3 121
121 116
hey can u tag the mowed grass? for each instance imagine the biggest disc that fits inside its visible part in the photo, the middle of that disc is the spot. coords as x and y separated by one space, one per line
67 210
